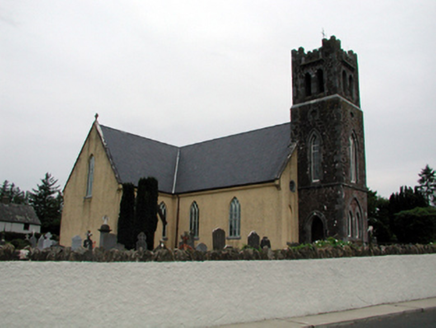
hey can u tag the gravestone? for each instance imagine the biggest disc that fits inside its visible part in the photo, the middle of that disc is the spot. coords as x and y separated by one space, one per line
201 247
33 241
142 242
218 239
76 242
110 241
41 242
265 242
47 241
191 239
87 243
253 240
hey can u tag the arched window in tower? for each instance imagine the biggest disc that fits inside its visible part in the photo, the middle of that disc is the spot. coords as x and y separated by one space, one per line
357 226
163 210
315 158
344 82
350 224
194 217
353 159
308 84
235 218
351 87
320 78
90 181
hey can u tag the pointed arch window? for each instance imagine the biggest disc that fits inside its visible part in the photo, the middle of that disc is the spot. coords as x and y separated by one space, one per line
235 218
194 217
353 159
315 157
357 226
163 210
344 82
308 84
350 224
320 77
90 181
351 87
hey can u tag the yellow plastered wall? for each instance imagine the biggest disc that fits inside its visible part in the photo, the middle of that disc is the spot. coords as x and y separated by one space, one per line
270 209
81 213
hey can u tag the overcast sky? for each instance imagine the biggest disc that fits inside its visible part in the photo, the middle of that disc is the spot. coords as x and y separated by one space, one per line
187 71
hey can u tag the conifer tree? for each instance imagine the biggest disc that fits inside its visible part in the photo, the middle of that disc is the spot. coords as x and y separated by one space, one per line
47 202
146 209
427 184
127 217
13 193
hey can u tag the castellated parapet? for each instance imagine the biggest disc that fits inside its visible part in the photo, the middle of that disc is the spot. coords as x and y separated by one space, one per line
325 71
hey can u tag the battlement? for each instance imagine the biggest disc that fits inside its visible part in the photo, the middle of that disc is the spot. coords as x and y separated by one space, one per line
325 71
329 47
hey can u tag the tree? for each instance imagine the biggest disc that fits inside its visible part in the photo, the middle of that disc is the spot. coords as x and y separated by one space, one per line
427 184
47 202
416 226
378 216
126 218
146 209
407 199
13 193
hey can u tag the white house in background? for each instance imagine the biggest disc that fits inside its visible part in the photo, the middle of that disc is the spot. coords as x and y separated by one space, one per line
18 218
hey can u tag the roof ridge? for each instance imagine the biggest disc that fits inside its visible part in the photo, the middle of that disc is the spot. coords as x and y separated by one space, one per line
235 134
138 136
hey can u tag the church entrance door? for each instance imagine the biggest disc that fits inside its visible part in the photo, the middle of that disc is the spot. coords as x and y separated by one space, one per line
317 230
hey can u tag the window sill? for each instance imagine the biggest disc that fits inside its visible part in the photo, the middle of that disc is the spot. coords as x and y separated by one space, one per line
87 197
233 237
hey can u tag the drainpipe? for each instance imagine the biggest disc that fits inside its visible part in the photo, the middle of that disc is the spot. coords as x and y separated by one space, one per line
177 222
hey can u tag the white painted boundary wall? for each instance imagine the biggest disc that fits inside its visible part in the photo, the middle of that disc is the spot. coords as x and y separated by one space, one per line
196 294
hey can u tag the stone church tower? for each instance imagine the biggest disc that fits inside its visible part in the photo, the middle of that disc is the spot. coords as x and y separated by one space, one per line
327 126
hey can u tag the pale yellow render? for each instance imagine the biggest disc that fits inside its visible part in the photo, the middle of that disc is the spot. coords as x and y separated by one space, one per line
82 213
270 209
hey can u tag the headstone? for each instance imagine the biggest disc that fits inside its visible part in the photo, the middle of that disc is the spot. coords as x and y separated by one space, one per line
265 242
47 241
184 244
201 247
253 240
110 241
87 243
218 239
191 239
33 241
41 242
76 242
142 241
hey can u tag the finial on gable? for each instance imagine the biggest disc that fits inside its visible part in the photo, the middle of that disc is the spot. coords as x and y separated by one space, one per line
96 116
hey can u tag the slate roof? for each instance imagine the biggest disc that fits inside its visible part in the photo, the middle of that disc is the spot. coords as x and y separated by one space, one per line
18 214
247 158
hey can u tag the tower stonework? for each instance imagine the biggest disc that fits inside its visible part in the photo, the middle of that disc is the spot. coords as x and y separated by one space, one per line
327 126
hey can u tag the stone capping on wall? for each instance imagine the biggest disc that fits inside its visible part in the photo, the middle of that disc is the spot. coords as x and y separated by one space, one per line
163 254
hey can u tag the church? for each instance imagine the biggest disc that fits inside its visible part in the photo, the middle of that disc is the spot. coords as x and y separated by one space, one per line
300 181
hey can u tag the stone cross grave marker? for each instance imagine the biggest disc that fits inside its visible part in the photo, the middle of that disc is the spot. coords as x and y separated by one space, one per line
142 241
253 240
201 247
76 242
87 243
218 239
